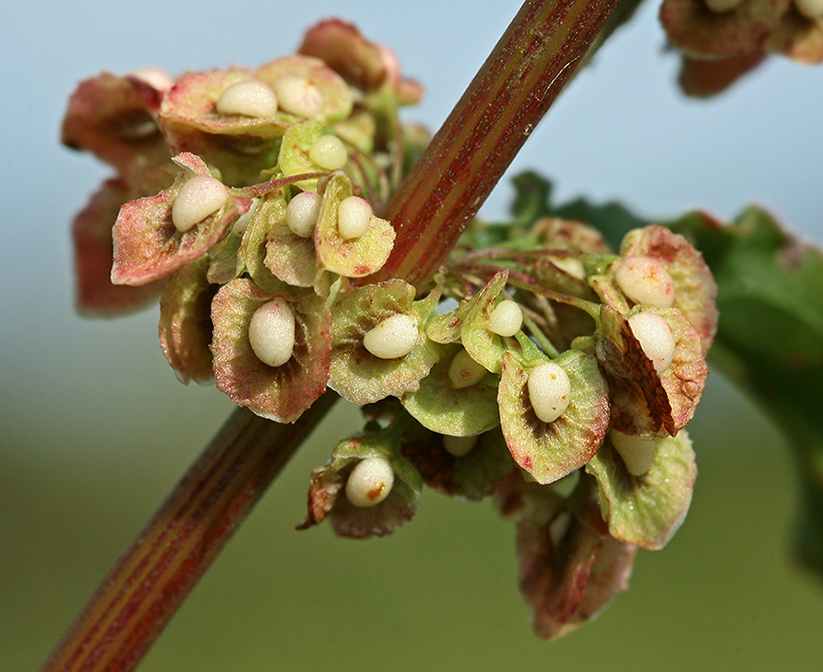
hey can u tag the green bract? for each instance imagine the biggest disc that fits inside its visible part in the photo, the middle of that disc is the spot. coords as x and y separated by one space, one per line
646 510
356 257
568 570
279 393
484 346
185 322
326 491
549 451
643 401
239 147
473 476
148 246
294 152
358 375
440 407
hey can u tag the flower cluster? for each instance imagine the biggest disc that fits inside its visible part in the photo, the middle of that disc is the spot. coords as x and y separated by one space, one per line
537 367
722 40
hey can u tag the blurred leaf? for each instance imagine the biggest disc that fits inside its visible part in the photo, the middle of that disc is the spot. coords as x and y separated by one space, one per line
770 339
533 200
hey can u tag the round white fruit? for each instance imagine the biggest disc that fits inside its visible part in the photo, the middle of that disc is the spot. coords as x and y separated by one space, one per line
302 212
298 96
549 391
198 198
250 98
328 152
637 452
370 482
271 332
506 318
353 217
655 337
393 338
646 281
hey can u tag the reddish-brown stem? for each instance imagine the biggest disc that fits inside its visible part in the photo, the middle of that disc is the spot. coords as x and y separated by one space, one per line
515 87
150 581
542 48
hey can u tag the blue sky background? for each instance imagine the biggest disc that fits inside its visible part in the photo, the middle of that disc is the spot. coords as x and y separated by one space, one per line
91 407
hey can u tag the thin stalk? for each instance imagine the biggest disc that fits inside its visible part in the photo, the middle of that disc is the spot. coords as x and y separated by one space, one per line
155 575
515 87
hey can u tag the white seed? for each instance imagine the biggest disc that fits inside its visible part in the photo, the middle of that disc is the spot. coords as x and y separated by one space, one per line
637 452
559 526
459 446
296 95
155 77
549 391
811 9
302 212
242 222
353 217
197 199
271 332
723 6
646 281
394 337
464 371
328 152
506 319
574 267
656 338
370 482
250 98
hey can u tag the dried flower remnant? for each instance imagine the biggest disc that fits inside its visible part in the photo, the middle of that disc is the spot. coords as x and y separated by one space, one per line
721 40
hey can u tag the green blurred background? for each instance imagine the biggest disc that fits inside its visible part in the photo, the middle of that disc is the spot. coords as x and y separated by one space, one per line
95 429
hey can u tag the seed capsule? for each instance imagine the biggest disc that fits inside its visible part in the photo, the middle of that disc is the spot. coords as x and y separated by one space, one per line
646 281
251 98
394 337
506 319
459 446
464 371
302 212
549 391
353 217
656 338
329 152
197 199
370 482
297 96
723 6
811 9
271 332
637 452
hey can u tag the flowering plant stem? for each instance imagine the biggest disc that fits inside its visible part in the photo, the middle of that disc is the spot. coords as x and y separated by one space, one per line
542 48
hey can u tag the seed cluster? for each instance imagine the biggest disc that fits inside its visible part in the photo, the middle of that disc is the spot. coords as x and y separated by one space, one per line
253 197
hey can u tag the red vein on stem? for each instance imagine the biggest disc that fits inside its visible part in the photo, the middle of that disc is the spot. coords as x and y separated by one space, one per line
158 571
515 87
542 48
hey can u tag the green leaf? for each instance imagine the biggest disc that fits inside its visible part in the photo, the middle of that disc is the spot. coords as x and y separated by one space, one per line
770 339
533 200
